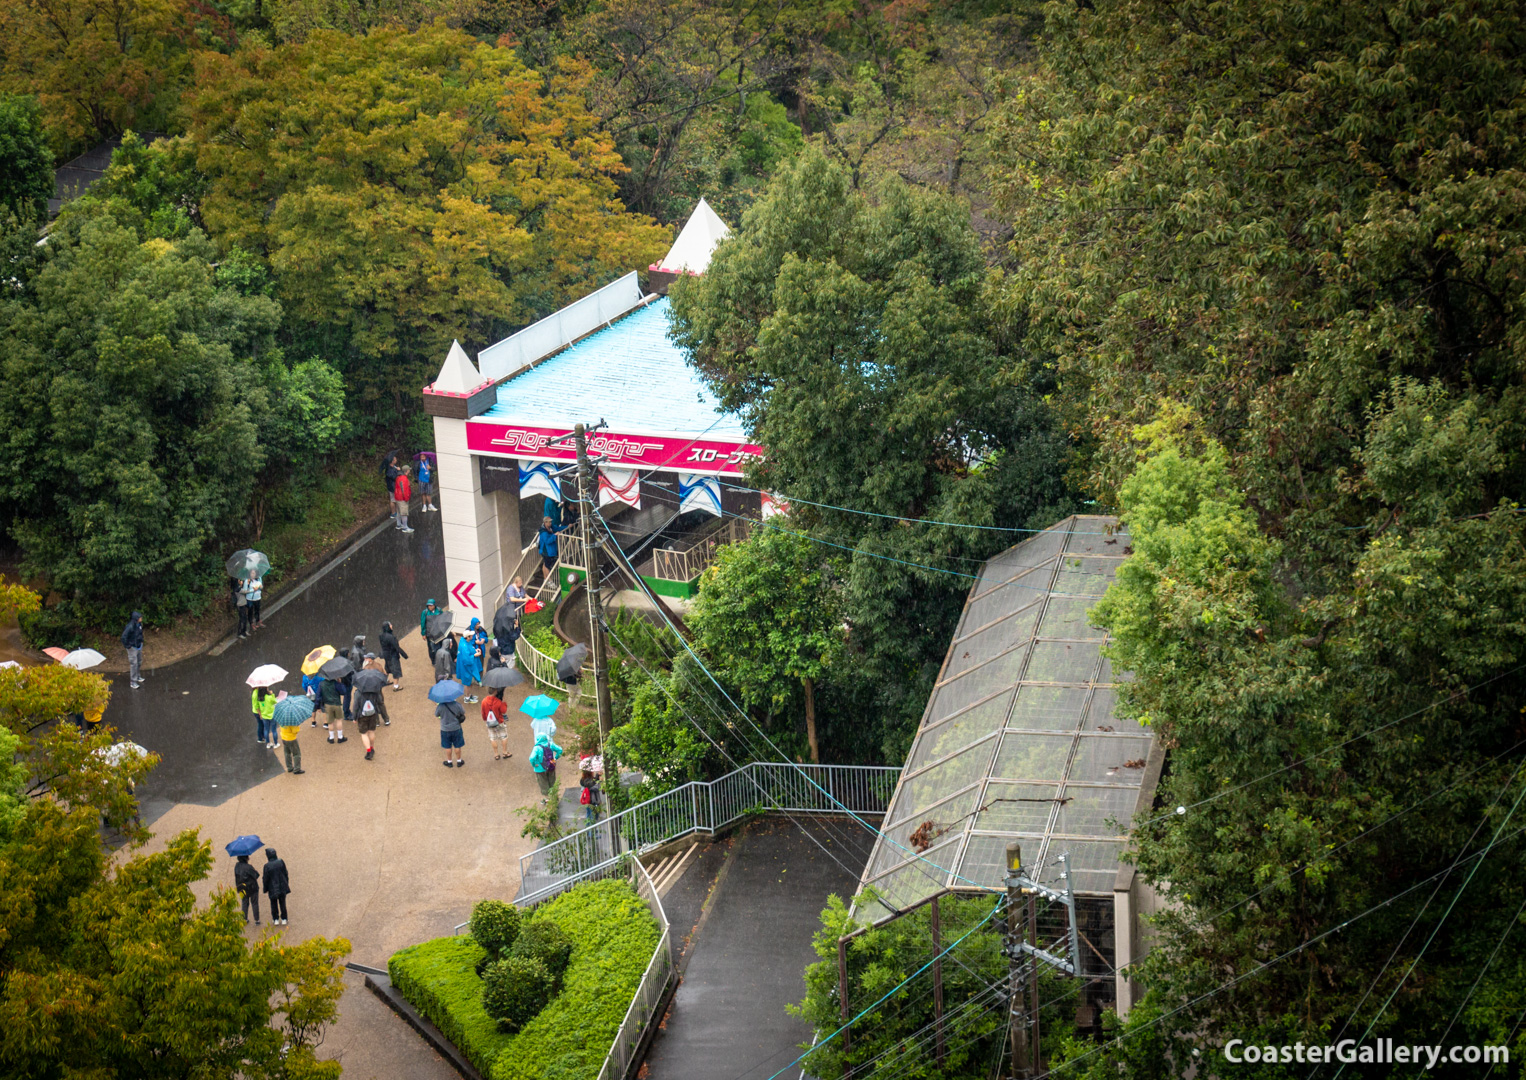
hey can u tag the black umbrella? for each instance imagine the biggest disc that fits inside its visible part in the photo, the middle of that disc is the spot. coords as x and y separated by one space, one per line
337 668
368 680
570 666
504 619
439 624
501 678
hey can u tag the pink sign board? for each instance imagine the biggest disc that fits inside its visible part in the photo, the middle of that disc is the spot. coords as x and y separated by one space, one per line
669 452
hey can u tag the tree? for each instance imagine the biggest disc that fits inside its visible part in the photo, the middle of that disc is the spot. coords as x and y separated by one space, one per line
136 388
113 969
410 188
99 67
26 165
1275 249
855 337
769 612
879 960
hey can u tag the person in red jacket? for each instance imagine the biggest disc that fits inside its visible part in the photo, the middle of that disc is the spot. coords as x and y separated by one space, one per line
402 492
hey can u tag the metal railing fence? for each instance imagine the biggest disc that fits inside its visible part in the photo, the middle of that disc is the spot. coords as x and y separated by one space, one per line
703 807
647 999
536 664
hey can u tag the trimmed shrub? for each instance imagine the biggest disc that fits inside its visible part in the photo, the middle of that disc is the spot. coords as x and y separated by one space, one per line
613 935
543 940
439 978
515 990
495 926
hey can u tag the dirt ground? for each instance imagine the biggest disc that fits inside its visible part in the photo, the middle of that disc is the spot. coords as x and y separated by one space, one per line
385 853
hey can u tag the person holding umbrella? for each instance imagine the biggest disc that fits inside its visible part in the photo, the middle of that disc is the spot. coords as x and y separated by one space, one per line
369 705
289 714
312 681
569 668
392 656
331 698
255 589
435 626
246 879
447 695
263 701
357 658
543 761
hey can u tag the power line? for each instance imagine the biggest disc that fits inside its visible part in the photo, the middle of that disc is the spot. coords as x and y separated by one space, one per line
767 741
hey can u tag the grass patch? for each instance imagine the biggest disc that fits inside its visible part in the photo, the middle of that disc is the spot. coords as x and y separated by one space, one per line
613 934
344 496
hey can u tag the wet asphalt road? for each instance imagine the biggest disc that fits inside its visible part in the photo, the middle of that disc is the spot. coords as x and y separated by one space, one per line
195 713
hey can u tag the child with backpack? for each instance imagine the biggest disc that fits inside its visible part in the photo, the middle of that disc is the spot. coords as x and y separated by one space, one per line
590 796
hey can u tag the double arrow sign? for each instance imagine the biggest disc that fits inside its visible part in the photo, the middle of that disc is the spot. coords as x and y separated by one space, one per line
463 593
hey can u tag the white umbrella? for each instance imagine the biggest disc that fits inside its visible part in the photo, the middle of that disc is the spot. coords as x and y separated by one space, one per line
8 663
266 675
82 659
116 753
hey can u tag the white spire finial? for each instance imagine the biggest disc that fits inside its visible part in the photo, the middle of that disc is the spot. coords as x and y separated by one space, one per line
458 375
691 252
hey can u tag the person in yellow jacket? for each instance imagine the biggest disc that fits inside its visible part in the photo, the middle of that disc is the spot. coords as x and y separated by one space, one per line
263 702
289 745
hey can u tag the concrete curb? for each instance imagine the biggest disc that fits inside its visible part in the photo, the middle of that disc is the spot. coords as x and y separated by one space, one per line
380 985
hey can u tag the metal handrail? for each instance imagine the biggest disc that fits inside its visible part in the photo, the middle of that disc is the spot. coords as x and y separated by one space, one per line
647 999
594 851
537 664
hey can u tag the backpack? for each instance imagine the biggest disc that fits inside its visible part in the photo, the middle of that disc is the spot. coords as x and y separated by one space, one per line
587 797
368 709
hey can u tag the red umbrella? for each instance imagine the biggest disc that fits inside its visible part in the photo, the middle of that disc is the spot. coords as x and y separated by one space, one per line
56 653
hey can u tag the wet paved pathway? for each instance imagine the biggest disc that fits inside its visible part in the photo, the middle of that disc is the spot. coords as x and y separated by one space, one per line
748 957
195 713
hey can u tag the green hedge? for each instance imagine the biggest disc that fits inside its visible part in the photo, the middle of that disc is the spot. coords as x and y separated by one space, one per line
439 979
613 935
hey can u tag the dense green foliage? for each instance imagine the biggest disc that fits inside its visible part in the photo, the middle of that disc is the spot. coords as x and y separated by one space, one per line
882 958
494 925
613 935
26 165
515 989
546 943
439 978
110 965
855 337
145 399
1275 249
771 606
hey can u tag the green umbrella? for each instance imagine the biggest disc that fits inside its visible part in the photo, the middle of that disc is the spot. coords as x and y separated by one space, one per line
291 711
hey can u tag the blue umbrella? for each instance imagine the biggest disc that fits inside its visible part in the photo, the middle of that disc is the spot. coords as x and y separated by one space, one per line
540 706
291 711
445 690
245 845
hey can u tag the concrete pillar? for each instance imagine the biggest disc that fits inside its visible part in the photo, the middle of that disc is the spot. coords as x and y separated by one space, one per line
469 522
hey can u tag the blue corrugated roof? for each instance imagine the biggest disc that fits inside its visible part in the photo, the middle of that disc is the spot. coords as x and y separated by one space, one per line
630 374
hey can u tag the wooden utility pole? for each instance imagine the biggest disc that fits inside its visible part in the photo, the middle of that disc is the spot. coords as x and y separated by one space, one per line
1022 1052
588 494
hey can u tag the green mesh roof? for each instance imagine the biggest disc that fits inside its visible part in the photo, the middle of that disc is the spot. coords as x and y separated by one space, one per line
1019 740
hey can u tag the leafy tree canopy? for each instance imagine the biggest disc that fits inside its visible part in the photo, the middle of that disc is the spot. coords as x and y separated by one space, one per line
769 615
854 335
26 163
144 400
408 188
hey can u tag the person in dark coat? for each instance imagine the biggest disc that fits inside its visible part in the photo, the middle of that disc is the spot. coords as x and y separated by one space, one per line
357 658
374 696
444 663
246 879
433 646
392 655
132 640
277 886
